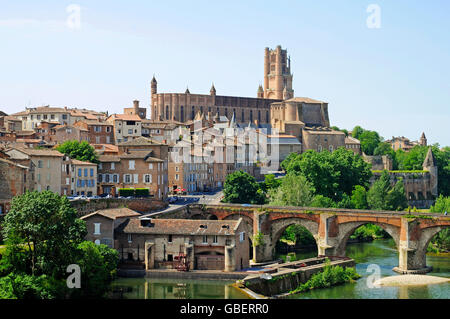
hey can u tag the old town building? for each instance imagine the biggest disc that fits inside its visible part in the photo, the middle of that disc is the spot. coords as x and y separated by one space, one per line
47 165
126 127
15 179
32 117
139 163
405 144
101 224
98 132
208 244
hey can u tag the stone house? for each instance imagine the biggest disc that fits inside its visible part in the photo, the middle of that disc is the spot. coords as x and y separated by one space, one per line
209 244
84 178
353 144
15 179
101 224
139 163
47 164
98 132
126 127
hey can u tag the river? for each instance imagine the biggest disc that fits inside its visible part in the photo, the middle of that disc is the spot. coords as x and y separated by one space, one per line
381 253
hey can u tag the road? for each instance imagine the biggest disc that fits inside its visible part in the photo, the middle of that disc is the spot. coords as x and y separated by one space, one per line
183 200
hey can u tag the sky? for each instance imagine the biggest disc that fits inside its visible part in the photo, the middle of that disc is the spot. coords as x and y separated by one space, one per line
385 69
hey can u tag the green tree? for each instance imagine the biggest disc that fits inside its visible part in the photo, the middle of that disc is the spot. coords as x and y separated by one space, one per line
270 182
331 173
369 141
47 227
242 188
294 190
414 158
98 264
441 205
81 151
359 197
381 196
322 201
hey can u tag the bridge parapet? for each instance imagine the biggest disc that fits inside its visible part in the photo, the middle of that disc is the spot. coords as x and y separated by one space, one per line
332 227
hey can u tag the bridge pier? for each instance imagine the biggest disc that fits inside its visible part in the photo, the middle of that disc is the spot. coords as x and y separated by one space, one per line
414 239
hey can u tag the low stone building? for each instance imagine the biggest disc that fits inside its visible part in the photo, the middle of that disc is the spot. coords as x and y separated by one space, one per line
101 224
208 244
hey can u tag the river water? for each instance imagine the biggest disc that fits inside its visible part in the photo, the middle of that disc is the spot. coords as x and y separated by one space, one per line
379 255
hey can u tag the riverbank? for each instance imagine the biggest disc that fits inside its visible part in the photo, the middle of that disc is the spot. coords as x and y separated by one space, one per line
410 280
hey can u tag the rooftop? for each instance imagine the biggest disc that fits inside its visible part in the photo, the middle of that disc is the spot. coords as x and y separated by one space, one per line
181 227
114 213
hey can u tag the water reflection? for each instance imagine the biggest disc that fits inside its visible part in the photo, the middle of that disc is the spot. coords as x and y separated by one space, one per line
380 252
384 254
150 288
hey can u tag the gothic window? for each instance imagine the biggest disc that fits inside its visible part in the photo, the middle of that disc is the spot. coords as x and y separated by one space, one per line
259 116
182 113
226 112
251 115
167 112
192 113
201 109
267 116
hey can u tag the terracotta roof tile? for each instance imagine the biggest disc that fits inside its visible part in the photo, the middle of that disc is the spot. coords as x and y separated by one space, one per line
181 227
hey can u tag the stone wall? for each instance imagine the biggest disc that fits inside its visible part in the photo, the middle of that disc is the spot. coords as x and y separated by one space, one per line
141 205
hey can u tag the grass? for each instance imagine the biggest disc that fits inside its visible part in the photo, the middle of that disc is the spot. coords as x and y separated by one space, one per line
330 276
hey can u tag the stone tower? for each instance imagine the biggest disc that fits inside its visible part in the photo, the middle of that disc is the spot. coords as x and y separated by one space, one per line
212 92
260 93
154 85
423 139
430 165
277 74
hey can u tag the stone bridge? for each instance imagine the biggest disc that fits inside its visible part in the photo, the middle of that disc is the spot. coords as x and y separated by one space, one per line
331 229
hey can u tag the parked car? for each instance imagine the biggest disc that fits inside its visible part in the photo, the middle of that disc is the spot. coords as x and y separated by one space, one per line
173 199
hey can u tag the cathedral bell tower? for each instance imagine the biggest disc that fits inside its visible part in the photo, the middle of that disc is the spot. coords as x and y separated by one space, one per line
277 74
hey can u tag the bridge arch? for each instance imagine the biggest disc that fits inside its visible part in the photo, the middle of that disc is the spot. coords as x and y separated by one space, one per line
348 228
280 225
421 250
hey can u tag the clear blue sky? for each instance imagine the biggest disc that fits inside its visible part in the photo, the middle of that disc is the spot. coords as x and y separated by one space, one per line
394 79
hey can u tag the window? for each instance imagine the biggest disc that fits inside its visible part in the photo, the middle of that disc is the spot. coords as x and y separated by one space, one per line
127 178
131 164
92 172
205 239
319 148
130 131
170 238
241 236
97 228
147 178
177 177
215 239
113 166
85 172
150 166
169 257
136 178
115 178
130 239
331 148
39 164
